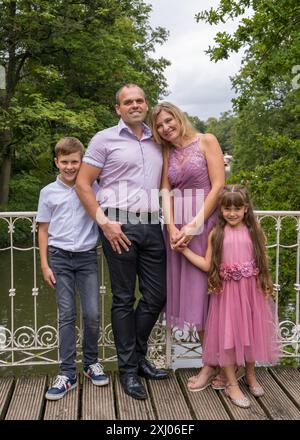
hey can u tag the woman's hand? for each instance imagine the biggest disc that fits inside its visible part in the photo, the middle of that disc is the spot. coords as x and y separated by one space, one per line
186 234
174 235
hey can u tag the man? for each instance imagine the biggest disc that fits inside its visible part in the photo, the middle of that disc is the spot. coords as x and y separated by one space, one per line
129 164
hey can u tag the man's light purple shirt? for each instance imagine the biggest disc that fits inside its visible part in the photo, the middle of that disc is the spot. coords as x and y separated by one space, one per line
131 168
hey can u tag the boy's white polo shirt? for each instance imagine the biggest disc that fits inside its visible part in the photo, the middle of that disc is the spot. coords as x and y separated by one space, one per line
70 226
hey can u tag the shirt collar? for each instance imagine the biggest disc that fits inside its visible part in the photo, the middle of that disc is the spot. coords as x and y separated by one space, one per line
61 183
146 130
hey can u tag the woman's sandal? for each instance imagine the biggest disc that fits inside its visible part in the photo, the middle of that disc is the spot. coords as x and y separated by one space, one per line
219 382
242 403
193 381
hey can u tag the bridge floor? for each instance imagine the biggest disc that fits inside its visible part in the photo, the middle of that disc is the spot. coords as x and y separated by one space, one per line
23 399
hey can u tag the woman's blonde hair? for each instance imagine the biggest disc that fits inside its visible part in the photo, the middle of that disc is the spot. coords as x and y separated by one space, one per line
187 131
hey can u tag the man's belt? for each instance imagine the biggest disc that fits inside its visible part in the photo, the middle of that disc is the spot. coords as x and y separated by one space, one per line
130 217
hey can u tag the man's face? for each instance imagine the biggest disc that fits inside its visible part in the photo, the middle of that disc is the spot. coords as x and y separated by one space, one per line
68 166
133 106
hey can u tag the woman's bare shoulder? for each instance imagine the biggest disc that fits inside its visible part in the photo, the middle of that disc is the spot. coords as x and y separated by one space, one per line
208 138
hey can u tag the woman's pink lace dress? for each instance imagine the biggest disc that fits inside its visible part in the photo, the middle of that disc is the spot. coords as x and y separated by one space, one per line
241 324
187 297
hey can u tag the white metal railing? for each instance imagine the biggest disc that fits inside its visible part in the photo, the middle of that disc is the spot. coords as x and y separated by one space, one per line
283 231
26 338
29 339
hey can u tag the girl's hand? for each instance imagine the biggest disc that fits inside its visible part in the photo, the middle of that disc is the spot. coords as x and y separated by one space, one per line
187 233
182 249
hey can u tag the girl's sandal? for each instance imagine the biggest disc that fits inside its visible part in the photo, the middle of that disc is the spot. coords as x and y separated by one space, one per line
219 382
242 403
256 391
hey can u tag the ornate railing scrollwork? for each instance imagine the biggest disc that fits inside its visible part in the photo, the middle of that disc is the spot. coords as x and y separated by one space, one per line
31 344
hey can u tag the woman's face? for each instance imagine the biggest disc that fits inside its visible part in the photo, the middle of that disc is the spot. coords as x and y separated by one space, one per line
168 127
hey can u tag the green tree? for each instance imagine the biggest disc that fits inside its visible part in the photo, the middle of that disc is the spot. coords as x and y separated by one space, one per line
271 39
197 123
266 135
267 107
64 61
223 128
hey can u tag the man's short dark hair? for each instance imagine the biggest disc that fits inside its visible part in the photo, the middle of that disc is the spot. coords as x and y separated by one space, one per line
129 85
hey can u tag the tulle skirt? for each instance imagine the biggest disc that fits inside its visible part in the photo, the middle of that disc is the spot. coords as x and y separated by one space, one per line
241 326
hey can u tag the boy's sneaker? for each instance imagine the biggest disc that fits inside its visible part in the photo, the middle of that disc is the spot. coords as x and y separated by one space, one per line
60 387
95 373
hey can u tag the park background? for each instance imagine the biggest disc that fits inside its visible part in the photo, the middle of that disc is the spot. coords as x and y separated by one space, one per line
61 63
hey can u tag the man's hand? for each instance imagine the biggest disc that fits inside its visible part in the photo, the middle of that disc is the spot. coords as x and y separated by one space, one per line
114 234
49 276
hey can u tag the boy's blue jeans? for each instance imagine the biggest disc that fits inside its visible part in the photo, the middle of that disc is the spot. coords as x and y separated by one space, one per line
76 270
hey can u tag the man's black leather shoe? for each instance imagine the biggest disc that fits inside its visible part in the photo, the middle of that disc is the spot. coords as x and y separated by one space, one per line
147 370
132 386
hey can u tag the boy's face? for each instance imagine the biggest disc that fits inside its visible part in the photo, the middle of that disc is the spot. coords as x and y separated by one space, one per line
68 166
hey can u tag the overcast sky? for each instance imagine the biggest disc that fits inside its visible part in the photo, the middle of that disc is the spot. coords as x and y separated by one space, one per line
196 84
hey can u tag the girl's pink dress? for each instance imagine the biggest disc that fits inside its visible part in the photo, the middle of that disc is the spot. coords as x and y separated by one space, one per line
241 325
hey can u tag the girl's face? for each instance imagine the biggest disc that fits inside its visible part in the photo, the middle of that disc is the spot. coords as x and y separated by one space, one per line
168 127
234 215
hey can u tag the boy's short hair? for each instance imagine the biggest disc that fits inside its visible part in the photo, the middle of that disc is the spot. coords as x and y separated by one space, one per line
68 145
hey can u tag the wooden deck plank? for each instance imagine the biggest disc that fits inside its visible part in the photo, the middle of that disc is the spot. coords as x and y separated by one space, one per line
206 404
98 401
66 408
27 399
6 388
289 379
275 401
23 399
129 408
168 399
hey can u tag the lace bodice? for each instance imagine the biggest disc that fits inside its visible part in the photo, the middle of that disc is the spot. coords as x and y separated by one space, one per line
188 168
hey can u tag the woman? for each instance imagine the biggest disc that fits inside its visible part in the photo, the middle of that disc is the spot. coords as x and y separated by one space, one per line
194 170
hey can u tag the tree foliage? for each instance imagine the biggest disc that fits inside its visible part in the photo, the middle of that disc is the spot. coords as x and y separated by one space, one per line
64 61
224 129
266 135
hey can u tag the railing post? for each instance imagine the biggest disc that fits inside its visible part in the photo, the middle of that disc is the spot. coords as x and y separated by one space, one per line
169 340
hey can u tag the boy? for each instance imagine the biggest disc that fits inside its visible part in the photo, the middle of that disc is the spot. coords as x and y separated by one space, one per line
67 239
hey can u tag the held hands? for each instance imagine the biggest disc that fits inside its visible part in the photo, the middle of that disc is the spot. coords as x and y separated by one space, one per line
49 276
180 239
114 234
176 239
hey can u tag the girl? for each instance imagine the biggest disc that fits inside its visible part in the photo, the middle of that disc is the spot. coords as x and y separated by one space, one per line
241 325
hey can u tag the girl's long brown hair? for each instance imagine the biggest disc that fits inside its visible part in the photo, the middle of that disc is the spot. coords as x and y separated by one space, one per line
236 195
